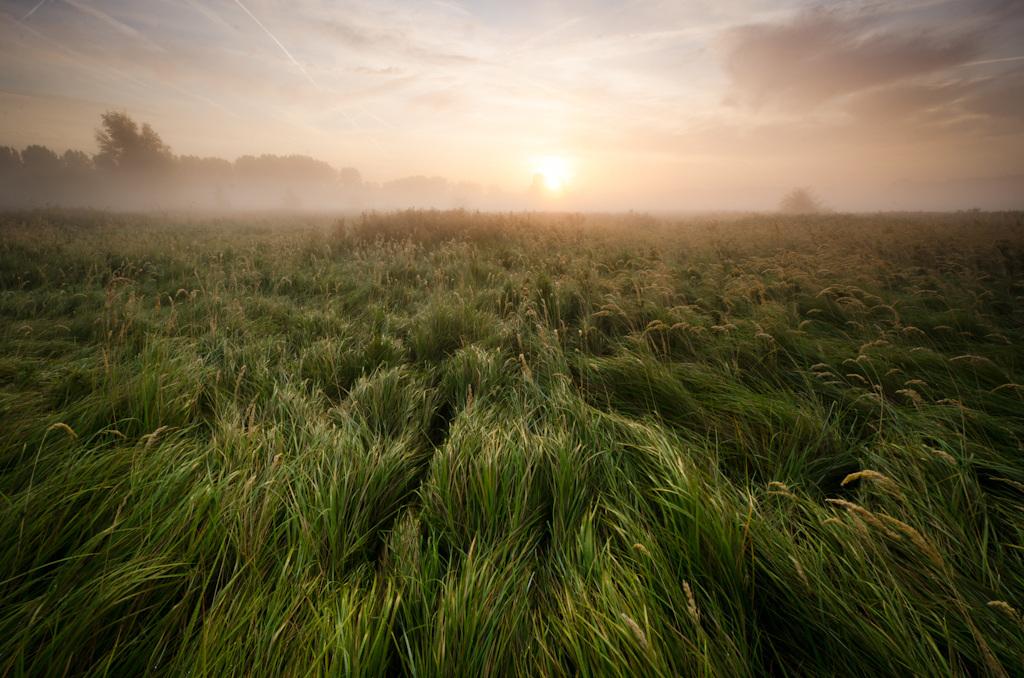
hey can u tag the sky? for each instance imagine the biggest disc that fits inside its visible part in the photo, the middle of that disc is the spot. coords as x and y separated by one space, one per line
649 105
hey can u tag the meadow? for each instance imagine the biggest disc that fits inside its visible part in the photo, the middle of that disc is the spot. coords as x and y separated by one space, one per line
434 443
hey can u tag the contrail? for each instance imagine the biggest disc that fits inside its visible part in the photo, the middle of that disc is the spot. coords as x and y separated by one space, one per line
283 49
308 77
32 10
92 11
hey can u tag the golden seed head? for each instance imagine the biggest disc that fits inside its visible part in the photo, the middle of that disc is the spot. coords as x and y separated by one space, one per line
693 603
873 476
65 428
637 631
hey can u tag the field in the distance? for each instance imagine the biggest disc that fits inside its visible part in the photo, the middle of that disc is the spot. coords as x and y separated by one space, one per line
456 444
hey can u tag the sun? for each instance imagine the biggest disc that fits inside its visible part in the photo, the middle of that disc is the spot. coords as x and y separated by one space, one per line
553 182
555 173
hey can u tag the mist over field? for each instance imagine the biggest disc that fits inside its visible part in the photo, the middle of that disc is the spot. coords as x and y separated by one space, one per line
135 170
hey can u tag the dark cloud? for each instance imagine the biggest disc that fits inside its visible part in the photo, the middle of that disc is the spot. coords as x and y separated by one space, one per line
822 55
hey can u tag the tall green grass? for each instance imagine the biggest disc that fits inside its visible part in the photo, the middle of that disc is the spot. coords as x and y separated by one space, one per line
449 443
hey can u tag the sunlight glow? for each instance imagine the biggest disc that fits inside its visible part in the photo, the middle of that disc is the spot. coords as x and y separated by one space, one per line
555 172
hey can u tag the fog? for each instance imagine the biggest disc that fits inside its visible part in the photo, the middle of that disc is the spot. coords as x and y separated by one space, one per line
560 105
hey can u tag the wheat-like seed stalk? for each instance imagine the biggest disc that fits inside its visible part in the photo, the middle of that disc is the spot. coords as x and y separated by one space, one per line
912 394
863 513
693 603
63 427
1006 608
873 476
1011 482
637 631
975 359
526 367
800 571
919 539
152 437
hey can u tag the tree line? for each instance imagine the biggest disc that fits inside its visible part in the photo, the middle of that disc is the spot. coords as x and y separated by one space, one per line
134 168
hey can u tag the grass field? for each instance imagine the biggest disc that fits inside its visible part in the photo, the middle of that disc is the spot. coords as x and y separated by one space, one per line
458 444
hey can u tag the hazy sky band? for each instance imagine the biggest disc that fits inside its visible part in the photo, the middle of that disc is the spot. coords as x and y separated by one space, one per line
642 100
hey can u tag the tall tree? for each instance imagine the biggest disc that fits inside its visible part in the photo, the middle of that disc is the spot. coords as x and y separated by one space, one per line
124 145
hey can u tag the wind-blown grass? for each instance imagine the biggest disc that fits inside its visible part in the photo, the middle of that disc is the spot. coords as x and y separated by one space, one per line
447 443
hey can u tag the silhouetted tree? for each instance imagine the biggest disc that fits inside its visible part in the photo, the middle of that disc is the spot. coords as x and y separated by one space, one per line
194 168
801 201
41 162
123 145
10 160
298 170
349 177
77 164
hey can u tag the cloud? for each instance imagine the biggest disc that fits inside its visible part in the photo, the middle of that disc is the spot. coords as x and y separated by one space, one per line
822 55
909 102
1003 101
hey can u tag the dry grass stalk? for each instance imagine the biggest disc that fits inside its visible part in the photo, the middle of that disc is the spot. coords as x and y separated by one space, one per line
919 539
800 572
1019 486
526 367
693 603
975 359
65 428
1007 609
875 477
944 455
637 631
152 437
861 512
912 394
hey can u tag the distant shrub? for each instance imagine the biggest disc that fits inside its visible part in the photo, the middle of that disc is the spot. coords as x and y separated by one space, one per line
801 201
